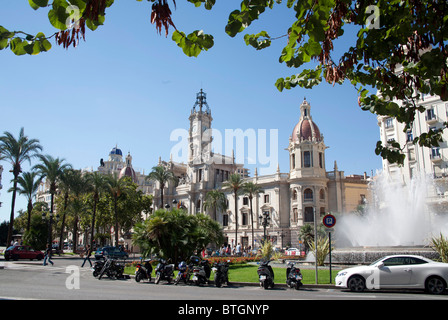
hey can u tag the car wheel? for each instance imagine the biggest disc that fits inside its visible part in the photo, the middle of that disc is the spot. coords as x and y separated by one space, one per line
356 284
435 285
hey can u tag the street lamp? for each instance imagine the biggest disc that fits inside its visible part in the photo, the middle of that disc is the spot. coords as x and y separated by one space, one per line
265 219
49 222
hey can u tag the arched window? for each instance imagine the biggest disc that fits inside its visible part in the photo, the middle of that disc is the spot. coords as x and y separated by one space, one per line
294 195
308 195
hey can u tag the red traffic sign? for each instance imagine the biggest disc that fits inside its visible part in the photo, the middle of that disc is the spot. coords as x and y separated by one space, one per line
329 221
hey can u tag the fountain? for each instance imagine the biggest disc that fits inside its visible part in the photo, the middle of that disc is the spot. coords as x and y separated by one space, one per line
400 220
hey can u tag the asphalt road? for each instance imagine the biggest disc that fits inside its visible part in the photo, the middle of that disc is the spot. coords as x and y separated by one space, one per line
66 280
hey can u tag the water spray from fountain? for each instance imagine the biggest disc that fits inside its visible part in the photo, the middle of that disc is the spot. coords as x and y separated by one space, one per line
399 215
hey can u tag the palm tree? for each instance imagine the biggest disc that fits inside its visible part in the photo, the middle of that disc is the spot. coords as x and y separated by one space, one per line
234 184
215 200
96 183
78 187
116 188
17 151
65 182
251 189
163 176
51 169
28 186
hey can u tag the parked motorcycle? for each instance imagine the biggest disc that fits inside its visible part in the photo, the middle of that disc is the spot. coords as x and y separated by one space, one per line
293 276
184 273
221 270
143 270
201 270
265 274
97 267
112 269
164 271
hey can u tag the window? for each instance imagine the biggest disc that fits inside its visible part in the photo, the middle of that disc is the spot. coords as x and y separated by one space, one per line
307 159
308 195
245 201
321 160
430 115
293 161
266 198
389 123
309 214
409 136
244 220
435 153
225 220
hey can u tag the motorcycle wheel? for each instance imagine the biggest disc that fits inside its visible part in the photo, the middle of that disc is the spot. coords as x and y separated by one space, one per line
176 281
265 284
138 277
298 285
157 280
218 283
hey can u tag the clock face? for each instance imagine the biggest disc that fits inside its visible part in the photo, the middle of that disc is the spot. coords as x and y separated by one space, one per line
195 128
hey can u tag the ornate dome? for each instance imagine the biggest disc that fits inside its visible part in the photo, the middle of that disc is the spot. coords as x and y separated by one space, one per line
116 151
306 129
128 172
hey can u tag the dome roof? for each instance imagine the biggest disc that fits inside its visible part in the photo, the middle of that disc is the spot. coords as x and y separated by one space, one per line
116 151
306 129
128 172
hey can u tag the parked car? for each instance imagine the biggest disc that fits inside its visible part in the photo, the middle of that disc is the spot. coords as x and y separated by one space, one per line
111 252
23 252
396 272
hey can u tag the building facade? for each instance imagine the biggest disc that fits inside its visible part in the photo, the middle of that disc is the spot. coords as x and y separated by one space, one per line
429 161
290 199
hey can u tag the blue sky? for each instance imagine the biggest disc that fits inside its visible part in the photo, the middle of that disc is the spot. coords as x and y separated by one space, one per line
129 86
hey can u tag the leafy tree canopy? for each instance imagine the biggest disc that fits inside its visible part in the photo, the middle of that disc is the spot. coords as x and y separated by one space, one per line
400 48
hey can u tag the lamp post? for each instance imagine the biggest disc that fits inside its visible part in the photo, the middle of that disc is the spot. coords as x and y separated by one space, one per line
264 220
49 221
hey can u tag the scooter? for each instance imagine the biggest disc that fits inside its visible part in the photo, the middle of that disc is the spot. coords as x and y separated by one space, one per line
143 271
293 276
266 274
164 271
183 274
201 270
221 270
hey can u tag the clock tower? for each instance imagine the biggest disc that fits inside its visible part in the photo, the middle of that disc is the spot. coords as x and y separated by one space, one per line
200 135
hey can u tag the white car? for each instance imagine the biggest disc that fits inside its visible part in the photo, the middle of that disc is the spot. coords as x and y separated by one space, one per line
396 272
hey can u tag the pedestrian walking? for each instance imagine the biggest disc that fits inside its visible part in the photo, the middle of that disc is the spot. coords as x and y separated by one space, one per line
48 255
87 258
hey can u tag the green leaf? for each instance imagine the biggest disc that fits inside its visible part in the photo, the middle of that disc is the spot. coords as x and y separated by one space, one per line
36 4
193 44
17 46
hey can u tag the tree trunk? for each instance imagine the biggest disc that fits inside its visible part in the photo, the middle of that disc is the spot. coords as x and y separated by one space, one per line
11 218
236 219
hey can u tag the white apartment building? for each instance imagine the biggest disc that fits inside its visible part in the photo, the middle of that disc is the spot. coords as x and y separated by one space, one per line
430 161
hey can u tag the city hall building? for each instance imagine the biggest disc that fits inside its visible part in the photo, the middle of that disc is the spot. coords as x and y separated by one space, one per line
289 199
